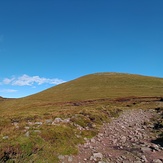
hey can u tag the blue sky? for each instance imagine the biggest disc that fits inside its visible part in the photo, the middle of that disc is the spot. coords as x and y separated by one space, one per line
44 43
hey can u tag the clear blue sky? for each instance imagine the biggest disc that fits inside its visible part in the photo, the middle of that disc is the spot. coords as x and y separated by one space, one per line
47 42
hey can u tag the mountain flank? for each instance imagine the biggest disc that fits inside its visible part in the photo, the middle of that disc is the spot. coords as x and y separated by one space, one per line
103 85
49 126
91 87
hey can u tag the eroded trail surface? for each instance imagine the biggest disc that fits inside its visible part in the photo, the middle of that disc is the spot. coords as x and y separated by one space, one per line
126 139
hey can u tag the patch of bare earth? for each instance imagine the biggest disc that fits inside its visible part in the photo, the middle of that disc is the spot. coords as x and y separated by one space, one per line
126 139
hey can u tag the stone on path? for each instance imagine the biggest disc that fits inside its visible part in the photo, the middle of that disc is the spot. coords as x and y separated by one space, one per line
157 161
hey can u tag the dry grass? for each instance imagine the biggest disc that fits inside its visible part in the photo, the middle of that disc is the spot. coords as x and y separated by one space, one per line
88 101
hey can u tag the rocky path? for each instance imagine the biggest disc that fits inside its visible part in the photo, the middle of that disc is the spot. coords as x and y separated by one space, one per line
126 139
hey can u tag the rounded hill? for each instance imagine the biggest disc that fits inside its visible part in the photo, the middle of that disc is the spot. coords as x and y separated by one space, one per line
102 85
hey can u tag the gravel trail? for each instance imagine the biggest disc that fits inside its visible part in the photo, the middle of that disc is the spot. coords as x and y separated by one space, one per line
126 139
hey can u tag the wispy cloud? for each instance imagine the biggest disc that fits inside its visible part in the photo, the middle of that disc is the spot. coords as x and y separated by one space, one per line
8 90
26 80
7 80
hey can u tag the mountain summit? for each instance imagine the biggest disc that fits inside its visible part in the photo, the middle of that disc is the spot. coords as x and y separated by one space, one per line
102 85
48 126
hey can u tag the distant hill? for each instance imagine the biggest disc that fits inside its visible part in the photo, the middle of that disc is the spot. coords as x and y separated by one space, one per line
103 85
51 123
1 98
93 86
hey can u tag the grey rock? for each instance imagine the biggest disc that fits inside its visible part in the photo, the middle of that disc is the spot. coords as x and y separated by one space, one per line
123 139
67 120
61 157
93 125
48 121
99 139
27 128
123 157
145 149
27 134
114 141
87 128
16 124
86 145
78 136
57 120
98 155
80 127
157 161
30 123
93 140
70 159
5 137
38 123
156 147
144 158
91 158
100 135
91 147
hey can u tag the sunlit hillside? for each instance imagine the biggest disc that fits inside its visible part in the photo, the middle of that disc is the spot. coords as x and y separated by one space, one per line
45 125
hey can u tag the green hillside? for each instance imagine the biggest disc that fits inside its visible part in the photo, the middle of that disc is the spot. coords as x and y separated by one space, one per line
90 87
102 85
27 132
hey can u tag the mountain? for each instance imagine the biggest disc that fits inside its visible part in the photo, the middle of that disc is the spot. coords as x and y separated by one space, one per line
48 124
92 87
103 85
97 86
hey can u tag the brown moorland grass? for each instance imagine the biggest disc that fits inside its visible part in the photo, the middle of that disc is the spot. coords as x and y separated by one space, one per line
89 87
88 101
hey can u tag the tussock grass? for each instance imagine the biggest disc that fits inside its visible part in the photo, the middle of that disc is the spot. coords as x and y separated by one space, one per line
88 101
51 140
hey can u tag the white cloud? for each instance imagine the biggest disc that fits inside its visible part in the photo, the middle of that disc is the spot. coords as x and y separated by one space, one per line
8 90
26 80
7 80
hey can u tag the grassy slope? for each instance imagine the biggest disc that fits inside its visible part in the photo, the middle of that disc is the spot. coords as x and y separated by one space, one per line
103 85
55 140
95 86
